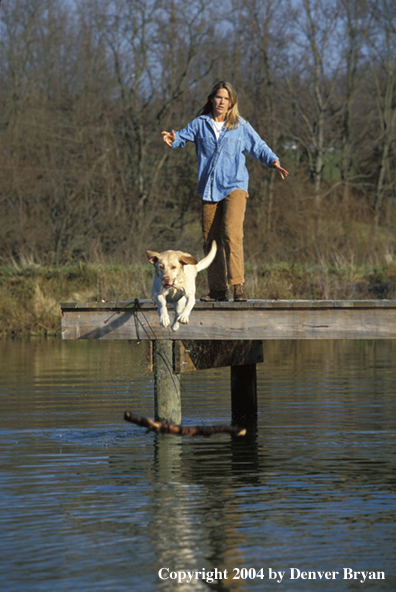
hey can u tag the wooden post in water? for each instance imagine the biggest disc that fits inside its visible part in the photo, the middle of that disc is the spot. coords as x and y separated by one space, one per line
243 393
167 401
168 359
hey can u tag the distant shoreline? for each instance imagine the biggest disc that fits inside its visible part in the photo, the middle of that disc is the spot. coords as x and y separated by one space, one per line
30 295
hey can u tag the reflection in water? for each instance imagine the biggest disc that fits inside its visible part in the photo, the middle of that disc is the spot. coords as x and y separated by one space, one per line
89 502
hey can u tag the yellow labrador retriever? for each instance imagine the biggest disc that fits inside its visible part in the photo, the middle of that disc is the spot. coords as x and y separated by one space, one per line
174 282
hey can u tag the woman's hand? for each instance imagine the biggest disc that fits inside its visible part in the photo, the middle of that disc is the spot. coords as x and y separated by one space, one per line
282 172
169 137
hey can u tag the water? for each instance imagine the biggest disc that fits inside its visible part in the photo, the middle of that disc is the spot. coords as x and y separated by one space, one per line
91 503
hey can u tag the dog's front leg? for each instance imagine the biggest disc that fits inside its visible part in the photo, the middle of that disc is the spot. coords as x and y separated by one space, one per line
184 313
163 311
179 306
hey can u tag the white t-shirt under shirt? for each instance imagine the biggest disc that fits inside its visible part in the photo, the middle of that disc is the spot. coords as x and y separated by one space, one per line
217 126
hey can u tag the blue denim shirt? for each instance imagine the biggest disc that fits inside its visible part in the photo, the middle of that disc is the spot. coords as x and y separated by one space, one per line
221 163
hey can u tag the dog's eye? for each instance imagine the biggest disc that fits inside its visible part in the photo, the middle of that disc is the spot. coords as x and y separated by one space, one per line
162 266
173 266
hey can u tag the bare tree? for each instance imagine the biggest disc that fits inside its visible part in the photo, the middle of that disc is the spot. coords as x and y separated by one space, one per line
311 66
354 24
382 56
257 28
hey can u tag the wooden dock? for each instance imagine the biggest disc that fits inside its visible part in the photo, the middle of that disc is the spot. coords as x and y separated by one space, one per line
224 334
255 319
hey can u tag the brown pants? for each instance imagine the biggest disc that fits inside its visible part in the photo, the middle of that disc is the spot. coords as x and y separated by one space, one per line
223 222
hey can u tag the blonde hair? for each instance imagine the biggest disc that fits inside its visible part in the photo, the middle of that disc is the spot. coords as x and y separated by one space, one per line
232 115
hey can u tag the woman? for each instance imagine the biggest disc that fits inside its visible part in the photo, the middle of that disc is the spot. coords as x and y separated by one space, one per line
221 138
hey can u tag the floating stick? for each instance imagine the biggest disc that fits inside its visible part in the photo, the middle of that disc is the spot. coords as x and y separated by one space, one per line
163 427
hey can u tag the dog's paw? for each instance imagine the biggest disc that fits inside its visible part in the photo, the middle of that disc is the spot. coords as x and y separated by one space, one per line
164 319
175 326
183 319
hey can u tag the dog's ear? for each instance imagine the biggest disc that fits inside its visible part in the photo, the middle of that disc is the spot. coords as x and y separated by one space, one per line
188 260
152 257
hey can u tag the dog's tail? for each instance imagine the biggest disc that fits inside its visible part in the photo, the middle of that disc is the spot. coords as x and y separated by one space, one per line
206 261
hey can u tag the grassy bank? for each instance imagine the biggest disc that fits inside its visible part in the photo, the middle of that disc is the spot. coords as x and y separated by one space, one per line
30 295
